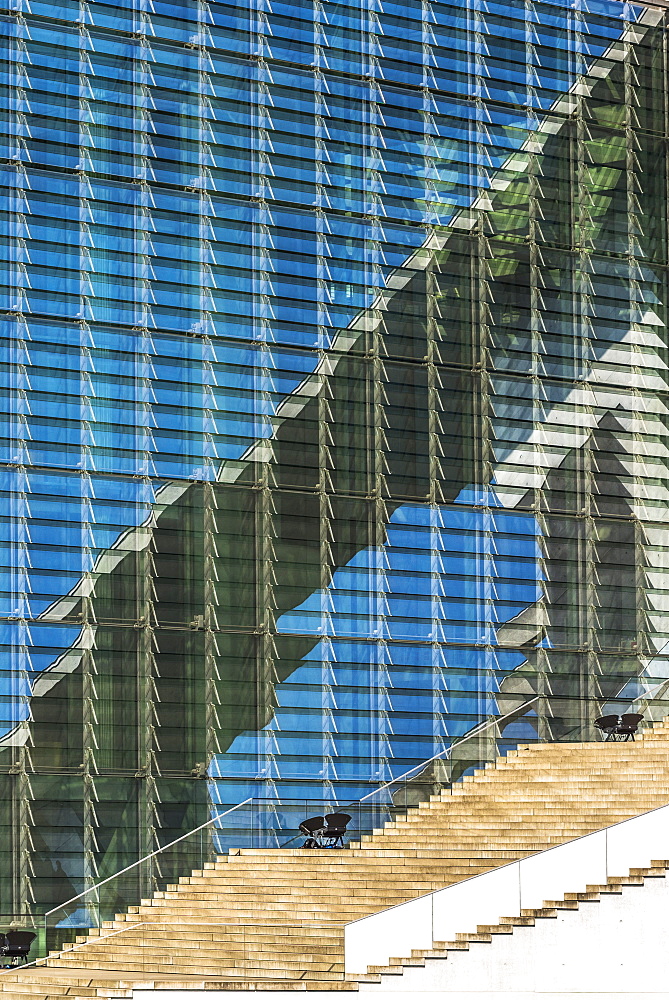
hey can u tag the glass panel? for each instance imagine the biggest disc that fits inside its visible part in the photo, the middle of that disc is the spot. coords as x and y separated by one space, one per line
334 409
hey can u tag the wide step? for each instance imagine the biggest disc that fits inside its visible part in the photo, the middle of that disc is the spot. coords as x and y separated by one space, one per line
263 920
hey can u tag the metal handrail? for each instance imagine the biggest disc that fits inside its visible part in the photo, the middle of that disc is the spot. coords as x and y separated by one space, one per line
413 771
367 799
153 854
443 754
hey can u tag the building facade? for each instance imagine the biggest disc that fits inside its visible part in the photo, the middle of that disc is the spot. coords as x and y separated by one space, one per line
334 358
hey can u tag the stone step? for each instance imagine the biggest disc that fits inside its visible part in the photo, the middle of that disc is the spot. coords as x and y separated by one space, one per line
268 919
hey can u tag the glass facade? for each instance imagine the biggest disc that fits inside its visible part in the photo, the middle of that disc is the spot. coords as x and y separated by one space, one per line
334 366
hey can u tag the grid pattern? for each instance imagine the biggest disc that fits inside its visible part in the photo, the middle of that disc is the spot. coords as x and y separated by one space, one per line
335 400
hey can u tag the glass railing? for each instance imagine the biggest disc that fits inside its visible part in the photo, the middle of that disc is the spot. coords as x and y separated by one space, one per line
265 823
254 823
153 873
435 776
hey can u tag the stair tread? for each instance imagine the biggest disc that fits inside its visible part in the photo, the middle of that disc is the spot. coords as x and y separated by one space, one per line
268 919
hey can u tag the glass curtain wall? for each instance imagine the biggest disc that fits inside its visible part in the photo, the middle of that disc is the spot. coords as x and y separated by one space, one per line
334 355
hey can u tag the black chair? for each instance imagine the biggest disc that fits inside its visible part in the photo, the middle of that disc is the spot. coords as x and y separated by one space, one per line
619 728
333 834
608 724
628 726
15 945
312 829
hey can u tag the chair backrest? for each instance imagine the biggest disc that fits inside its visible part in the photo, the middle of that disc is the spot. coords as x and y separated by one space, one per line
20 941
631 721
337 822
607 722
310 826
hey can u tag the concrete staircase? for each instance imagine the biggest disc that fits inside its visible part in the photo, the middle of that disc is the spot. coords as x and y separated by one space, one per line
274 919
399 969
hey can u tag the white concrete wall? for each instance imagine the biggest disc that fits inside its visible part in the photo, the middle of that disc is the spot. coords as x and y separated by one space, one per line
525 884
619 945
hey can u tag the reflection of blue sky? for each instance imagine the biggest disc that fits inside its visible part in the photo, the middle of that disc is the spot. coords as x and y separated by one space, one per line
91 399
29 649
448 574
